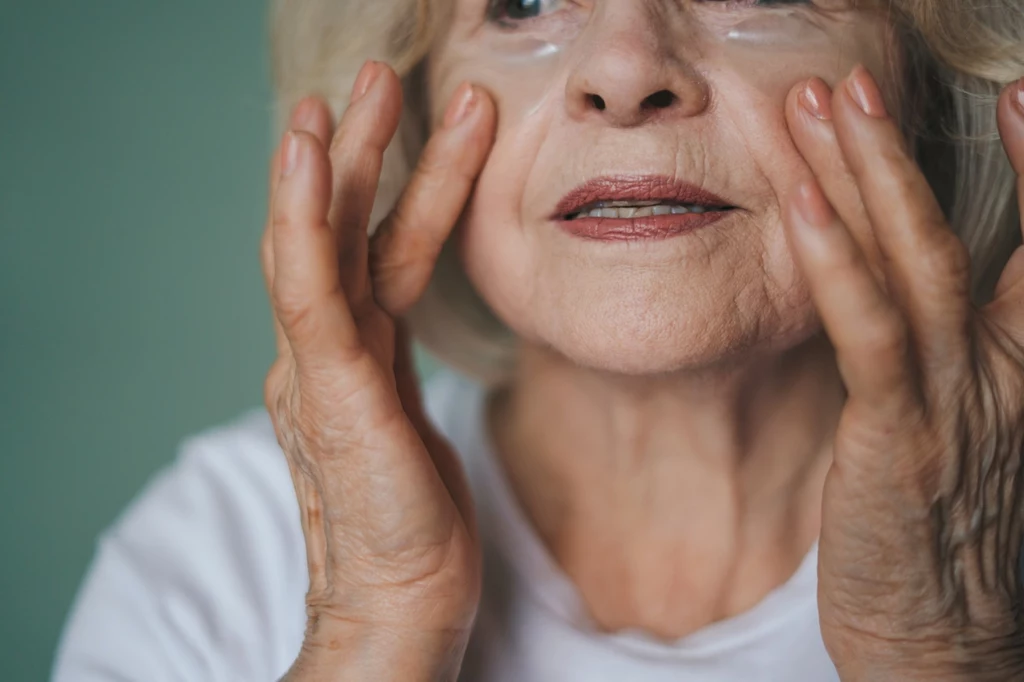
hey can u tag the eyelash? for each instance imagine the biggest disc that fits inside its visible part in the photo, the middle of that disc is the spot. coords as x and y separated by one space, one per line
496 9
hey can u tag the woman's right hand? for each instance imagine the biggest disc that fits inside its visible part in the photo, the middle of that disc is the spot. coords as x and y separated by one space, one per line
393 558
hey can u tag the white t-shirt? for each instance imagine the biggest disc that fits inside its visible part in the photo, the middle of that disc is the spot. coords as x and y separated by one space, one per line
203 579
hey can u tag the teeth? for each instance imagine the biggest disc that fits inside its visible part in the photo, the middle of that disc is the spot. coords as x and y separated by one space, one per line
622 204
639 209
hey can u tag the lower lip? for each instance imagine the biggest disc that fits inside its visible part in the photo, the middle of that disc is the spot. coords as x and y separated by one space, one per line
637 229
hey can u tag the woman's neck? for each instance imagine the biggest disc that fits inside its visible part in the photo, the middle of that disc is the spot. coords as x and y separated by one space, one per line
676 501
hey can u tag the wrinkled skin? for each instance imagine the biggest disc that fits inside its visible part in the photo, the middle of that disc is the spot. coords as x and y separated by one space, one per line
393 557
921 525
650 307
922 515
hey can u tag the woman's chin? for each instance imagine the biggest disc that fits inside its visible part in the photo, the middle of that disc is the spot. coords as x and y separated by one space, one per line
664 339
650 319
635 347
639 355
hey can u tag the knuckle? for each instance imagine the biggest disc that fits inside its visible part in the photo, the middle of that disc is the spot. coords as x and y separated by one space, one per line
398 222
296 313
945 259
340 137
274 389
406 240
353 138
954 252
401 244
893 156
885 337
282 222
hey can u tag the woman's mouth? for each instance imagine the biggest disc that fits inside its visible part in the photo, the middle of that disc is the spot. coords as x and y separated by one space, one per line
639 209
624 208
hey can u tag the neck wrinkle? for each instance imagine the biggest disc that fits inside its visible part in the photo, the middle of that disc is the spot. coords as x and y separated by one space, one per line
700 482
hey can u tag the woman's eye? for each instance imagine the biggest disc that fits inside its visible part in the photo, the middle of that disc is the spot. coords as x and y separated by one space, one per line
516 10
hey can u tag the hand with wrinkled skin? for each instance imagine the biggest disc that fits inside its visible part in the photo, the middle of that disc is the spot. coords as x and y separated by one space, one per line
391 542
922 512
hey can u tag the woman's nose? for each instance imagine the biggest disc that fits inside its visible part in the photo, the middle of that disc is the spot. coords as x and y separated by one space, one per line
628 75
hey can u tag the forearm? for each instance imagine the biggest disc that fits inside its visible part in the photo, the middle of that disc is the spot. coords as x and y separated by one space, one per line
345 652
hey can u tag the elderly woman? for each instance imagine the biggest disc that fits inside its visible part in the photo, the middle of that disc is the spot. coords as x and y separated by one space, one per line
736 282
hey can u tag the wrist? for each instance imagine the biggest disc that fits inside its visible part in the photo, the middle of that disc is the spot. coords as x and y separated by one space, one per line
347 651
989 661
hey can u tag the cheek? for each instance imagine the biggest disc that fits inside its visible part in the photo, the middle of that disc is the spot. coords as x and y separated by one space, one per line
500 256
750 91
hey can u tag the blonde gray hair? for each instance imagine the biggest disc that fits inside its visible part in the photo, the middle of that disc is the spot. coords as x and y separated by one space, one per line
956 54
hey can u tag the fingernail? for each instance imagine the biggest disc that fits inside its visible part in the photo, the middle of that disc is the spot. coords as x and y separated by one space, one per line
290 157
461 105
1019 98
816 98
812 205
365 80
864 91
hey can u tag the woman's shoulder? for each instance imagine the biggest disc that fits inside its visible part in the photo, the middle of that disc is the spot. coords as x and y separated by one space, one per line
240 462
236 472
203 572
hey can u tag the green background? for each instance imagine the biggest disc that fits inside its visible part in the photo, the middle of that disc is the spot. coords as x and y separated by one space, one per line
133 152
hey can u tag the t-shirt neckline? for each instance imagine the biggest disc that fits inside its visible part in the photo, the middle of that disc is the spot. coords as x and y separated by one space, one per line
539 577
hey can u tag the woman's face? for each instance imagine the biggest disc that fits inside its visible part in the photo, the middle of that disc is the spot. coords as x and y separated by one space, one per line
669 111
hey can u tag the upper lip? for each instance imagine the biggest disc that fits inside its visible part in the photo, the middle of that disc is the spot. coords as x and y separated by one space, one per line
634 188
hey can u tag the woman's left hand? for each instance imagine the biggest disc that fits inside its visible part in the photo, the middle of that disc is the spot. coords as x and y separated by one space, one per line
923 512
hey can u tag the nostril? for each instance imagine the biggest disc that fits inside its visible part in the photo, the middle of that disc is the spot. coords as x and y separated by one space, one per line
597 101
662 99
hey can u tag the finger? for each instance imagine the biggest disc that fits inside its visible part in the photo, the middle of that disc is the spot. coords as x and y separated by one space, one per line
313 116
866 328
928 267
809 116
357 155
408 242
310 115
1010 115
307 295
267 239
